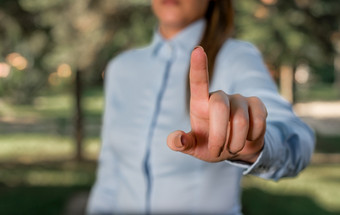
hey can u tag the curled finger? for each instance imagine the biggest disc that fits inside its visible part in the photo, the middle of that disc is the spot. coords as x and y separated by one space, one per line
219 111
239 121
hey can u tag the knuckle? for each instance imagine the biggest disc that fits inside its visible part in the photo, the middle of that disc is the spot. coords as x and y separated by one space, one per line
219 103
254 99
220 106
240 122
217 95
237 96
213 96
220 92
259 121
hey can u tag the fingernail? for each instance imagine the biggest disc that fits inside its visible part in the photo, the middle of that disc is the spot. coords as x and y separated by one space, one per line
198 47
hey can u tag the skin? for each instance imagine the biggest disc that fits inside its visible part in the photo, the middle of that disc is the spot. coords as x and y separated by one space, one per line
175 15
224 127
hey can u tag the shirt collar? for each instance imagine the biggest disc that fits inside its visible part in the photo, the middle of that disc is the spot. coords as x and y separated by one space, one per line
183 42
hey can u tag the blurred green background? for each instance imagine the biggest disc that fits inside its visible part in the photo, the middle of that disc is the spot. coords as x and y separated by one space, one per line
52 57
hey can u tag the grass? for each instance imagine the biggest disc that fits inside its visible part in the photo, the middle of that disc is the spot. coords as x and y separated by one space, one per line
39 200
328 144
42 188
57 173
45 188
257 201
53 106
38 174
40 166
317 92
34 147
316 188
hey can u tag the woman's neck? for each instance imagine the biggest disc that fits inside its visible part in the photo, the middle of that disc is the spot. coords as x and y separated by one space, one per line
169 32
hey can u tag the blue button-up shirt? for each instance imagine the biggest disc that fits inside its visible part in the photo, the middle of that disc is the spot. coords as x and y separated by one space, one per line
146 100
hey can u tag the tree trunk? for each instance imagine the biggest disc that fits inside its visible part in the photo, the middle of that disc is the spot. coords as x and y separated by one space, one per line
287 82
337 74
336 44
78 117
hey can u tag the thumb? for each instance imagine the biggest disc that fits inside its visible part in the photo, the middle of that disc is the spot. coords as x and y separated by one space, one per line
181 141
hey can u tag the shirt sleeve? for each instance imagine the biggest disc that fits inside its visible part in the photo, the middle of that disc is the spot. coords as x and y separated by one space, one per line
102 194
289 142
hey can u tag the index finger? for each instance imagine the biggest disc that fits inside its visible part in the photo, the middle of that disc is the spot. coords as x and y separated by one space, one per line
199 79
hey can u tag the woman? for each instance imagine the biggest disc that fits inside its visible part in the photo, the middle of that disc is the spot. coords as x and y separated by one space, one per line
241 127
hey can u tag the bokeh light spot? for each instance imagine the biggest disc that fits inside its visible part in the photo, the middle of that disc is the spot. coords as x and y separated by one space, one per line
17 61
261 12
302 73
4 70
269 2
64 70
53 79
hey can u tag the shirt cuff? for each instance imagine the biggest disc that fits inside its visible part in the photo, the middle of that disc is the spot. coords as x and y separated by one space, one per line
244 165
263 164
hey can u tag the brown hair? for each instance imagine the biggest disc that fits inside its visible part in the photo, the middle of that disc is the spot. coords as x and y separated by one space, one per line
219 27
220 24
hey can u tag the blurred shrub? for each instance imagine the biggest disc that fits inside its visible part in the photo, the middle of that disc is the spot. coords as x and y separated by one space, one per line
84 35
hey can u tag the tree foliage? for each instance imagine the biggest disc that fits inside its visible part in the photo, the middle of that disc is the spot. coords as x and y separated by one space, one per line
82 34
291 31
85 34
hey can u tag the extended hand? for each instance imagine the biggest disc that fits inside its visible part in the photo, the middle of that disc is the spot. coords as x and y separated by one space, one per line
223 126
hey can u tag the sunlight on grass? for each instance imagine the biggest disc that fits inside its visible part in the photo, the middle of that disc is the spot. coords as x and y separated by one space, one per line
31 147
27 148
42 107
13 111
92 148
48 177
45 160
94 101
54 106
94 105
320 183
55 103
